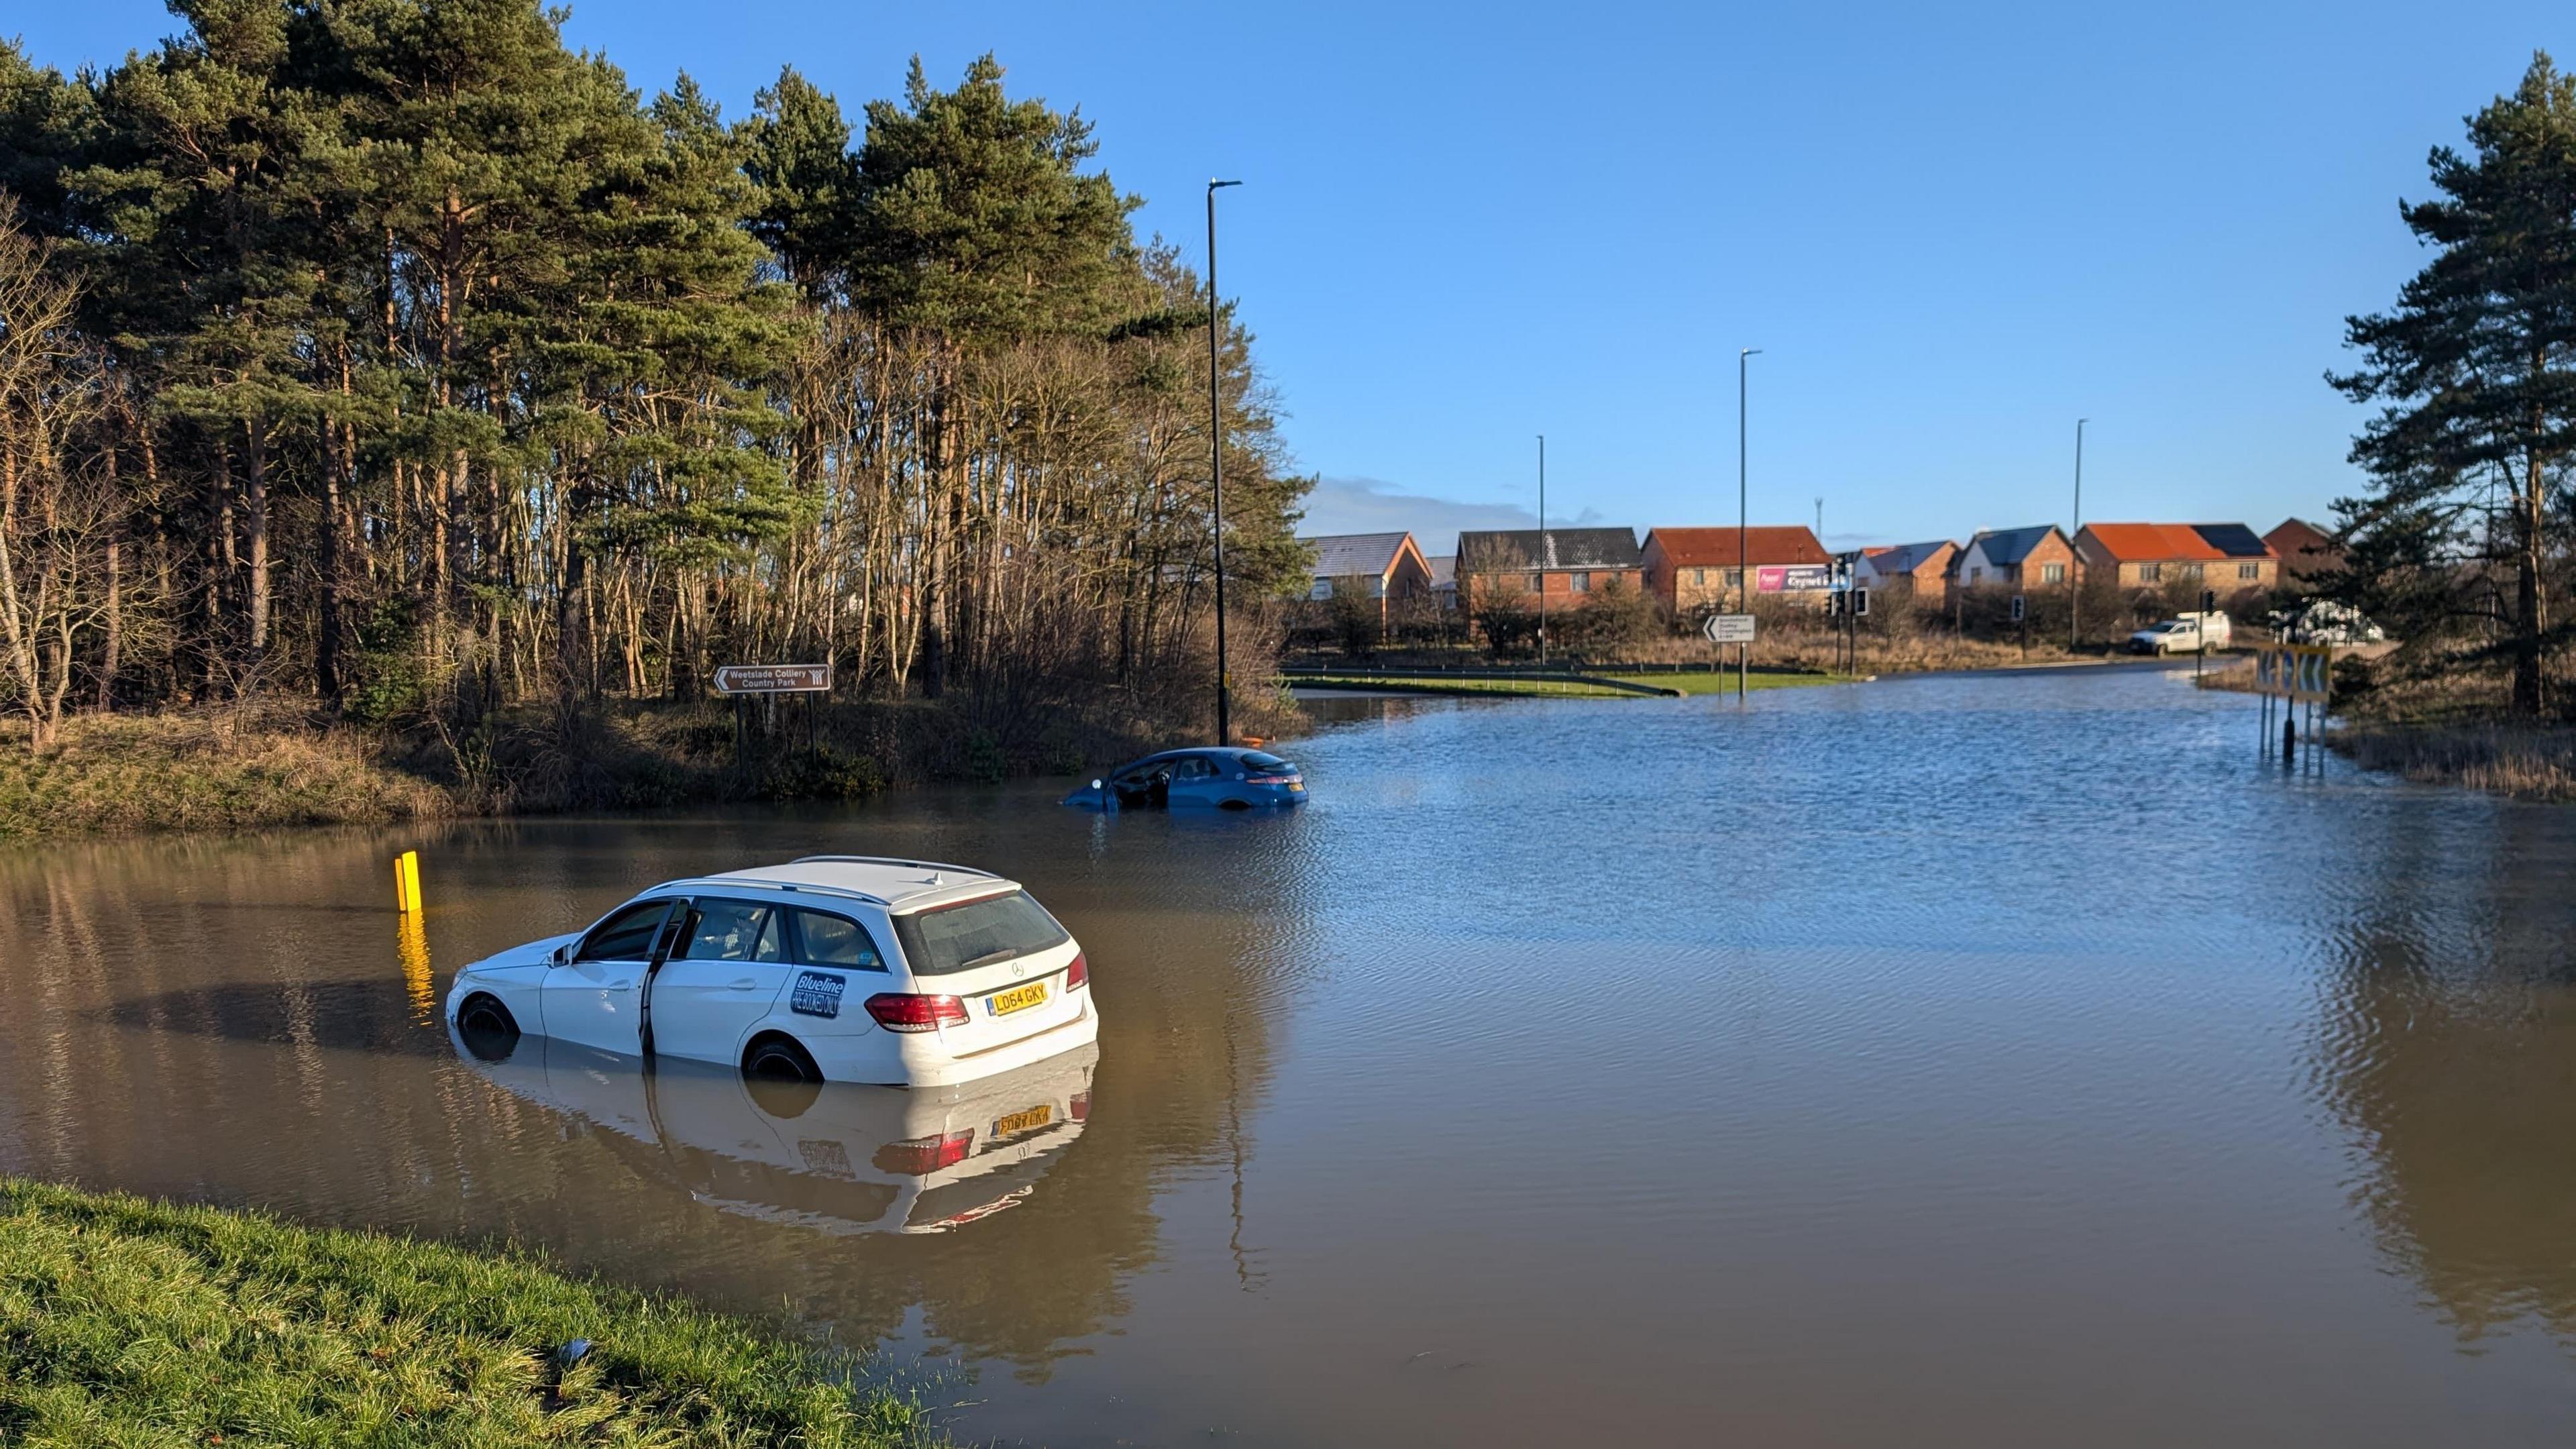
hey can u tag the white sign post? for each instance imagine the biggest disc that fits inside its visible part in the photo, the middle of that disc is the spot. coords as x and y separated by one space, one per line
1728 628
774 679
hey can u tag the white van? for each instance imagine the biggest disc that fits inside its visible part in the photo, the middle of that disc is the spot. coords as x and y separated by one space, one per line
2184 634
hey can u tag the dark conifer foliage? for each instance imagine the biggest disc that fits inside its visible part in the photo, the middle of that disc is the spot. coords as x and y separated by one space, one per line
2468 528
390 350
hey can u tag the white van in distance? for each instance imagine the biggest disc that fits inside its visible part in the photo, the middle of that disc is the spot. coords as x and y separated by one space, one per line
2184 634
837 968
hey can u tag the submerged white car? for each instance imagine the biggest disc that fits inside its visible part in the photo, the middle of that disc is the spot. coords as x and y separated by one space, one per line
838 968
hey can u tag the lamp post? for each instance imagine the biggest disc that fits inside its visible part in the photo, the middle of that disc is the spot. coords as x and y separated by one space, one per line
1542 548
2075 570
1216 468
1743 573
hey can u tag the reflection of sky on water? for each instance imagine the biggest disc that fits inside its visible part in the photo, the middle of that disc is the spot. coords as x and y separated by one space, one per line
2020 1060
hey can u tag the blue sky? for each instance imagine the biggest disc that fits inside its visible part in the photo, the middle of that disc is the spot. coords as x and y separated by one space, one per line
1952 234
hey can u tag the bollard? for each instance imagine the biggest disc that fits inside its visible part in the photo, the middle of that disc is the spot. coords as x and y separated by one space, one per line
407 883
2289 733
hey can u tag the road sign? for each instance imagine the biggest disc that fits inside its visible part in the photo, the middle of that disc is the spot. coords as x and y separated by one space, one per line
2299 672
1728 628
774 679
2021 607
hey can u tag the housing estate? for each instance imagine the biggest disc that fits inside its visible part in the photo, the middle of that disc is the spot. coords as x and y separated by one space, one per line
2304 550
2019 559
1694 570
1918 571
2227 557
1378 567
1564 567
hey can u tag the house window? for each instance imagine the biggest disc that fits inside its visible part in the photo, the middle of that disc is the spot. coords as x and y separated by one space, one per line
2191 573
1735 578
2151 573
1537 582
1323 589
2249 572
1699 578
1579 582
1976 575
1377 588
2052 573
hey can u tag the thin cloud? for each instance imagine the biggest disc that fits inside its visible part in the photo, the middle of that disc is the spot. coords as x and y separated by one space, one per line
1373 505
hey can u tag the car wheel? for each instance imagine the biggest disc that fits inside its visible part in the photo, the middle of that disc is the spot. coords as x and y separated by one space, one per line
1234 804
779 1059
781 1077
488 1029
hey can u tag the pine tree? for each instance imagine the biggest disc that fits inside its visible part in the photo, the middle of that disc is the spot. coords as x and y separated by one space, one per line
2476 367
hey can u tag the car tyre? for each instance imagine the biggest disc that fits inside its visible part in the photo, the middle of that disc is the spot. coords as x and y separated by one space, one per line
776 1058
1234 805
488 1029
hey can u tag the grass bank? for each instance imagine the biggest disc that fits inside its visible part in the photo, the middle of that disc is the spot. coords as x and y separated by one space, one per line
2525 761
124 1322
273 763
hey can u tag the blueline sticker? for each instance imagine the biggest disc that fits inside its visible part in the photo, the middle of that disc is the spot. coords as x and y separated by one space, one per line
817 994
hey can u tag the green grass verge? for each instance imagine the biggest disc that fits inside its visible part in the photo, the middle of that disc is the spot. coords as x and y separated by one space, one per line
1723 682
130 1323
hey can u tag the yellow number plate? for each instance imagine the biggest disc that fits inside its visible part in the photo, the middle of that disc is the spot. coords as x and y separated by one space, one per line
1003 1003
1027 1121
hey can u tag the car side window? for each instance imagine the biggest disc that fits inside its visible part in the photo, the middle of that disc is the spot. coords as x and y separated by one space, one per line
625 936
835 941
733 931
1193 768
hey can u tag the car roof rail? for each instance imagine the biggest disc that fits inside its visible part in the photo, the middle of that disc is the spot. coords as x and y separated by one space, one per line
735 883
937 865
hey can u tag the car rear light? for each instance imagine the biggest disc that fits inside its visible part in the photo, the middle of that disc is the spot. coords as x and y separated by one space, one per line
1081 1109
1077 975
925 1155
901 1011
1288 778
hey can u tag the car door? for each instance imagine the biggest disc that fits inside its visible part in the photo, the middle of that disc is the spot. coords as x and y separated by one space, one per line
595 998
726 968
1195 781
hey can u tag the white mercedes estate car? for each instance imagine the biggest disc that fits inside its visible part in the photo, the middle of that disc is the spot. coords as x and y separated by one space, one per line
838 968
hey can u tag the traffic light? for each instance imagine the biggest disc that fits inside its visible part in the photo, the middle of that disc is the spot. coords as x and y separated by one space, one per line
1860 602
2208 600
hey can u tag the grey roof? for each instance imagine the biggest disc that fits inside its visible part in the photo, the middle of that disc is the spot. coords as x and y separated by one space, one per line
1444 570
1354 555
1905 558
1567 548
2232 539
2011 545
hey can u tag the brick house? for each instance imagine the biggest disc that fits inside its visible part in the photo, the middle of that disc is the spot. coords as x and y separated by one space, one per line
2015 559
1693 570
1380 567
1565 567
1917 571
2304 550
2226 557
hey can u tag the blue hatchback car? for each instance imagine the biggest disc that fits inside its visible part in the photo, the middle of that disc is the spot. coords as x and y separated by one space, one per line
1226 778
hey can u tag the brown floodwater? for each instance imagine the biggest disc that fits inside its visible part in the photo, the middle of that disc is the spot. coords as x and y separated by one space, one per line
2003 1061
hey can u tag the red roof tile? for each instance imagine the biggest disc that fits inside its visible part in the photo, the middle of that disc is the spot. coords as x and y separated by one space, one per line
1717 547
2152 542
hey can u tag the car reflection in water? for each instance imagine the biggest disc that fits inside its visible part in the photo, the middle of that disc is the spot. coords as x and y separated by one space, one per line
836 1157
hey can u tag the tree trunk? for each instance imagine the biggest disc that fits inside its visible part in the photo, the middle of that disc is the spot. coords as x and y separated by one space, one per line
255 529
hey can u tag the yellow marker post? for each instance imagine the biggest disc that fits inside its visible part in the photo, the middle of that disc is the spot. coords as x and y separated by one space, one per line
407 883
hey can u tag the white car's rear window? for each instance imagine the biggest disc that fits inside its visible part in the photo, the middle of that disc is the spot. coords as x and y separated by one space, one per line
976 933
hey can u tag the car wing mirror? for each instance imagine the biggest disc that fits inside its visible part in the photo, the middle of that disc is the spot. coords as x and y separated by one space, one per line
559 955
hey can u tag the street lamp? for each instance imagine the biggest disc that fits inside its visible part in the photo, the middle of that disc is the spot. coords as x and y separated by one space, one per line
1743 574
1216 468
2075 569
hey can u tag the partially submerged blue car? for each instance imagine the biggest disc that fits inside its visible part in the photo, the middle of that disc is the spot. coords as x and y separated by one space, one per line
1227 778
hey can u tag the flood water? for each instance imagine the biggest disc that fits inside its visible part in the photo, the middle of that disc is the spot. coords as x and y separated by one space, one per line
2010 1060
